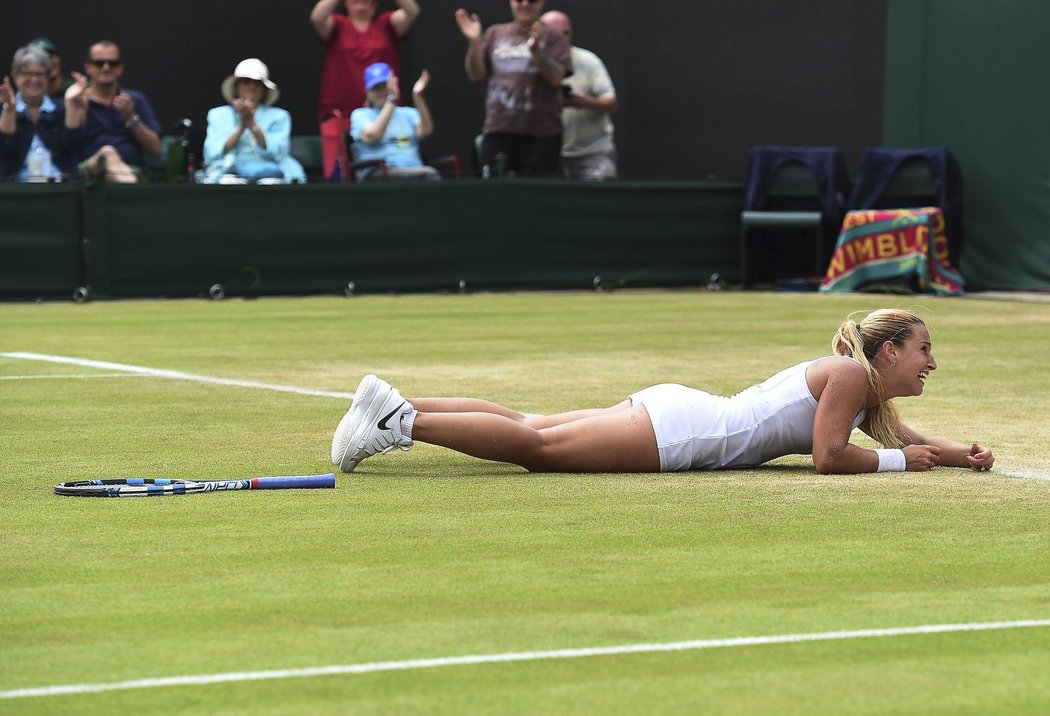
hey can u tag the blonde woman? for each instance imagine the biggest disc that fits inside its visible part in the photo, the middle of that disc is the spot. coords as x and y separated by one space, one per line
810 408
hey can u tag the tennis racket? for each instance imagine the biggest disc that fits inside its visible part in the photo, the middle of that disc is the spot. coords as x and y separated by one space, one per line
151 487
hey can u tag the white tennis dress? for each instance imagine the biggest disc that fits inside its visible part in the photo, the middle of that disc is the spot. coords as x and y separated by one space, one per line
699 431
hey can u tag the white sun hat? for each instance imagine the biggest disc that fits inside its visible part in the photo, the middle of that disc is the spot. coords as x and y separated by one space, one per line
251 69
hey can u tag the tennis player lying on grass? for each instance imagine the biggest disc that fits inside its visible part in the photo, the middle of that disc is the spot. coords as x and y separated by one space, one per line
809 408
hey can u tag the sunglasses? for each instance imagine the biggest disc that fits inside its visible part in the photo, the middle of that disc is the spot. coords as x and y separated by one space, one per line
102 63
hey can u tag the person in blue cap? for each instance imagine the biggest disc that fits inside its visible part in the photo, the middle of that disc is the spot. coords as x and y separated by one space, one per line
383 129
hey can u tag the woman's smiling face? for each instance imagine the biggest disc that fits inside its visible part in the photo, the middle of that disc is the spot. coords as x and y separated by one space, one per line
31 81
910 363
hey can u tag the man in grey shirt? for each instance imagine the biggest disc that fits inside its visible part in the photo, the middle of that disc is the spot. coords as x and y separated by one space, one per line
587 150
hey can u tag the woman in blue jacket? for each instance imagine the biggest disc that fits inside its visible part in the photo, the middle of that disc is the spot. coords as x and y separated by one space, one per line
39 139
249 140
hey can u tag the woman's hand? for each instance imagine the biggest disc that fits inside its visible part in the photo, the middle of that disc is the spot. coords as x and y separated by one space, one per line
7 92
921 457
980 458
245 109
421 84
469 25
393 88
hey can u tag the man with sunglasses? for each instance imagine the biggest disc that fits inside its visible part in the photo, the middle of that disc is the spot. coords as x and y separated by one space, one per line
120 122
525 62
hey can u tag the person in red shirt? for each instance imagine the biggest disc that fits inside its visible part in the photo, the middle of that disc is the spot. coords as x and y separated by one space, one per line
354 41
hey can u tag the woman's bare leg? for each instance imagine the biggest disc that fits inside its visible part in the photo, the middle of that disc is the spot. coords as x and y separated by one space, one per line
474 405
463 405
549 421
617 439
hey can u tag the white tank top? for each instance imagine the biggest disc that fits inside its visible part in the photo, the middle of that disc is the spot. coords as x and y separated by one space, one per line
772 419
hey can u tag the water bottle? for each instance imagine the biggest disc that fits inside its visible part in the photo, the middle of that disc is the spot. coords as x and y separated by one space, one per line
39 164
179 156
176 164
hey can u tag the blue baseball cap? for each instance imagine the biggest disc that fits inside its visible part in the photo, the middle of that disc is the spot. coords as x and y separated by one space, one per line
377 74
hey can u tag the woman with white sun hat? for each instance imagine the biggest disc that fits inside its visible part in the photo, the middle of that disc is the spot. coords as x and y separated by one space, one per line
248 140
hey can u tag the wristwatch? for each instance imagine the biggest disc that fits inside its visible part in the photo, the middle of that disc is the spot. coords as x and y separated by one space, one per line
133 122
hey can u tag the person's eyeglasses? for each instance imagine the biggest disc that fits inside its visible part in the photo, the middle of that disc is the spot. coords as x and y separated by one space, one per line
102 63
34 75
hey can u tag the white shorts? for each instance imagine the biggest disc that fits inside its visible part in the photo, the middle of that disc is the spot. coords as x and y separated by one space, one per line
690 426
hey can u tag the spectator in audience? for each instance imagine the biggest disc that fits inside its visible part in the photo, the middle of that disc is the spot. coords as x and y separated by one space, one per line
248 139
120 122
587 148
525 63
39 138
57 83
383 130
354 41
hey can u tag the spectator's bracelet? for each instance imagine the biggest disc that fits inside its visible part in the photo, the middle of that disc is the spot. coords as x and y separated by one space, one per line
391 99
133 122
5 107
891 460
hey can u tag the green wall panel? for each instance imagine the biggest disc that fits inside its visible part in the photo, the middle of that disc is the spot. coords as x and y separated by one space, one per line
40 250
971 75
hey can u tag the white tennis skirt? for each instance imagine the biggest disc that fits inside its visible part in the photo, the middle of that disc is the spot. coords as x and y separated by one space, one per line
690 426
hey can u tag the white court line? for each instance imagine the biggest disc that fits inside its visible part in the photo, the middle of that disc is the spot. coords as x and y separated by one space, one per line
71 375
1023 474
515 656
175 374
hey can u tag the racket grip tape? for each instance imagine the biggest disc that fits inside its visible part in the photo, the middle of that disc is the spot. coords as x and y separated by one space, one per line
293 482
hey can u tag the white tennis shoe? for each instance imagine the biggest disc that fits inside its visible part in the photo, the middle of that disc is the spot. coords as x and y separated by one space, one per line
372 425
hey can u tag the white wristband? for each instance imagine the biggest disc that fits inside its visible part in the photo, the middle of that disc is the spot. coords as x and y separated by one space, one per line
891 460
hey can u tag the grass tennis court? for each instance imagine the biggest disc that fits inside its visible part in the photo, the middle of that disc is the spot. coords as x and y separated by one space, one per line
431 555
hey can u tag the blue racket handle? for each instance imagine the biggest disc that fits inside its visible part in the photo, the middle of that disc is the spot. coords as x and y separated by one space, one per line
293 482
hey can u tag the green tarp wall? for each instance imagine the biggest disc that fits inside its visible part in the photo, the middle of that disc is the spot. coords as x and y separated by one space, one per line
179 240
971 75
40 247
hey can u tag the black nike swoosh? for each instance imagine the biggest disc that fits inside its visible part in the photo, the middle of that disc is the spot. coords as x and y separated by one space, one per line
383 423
